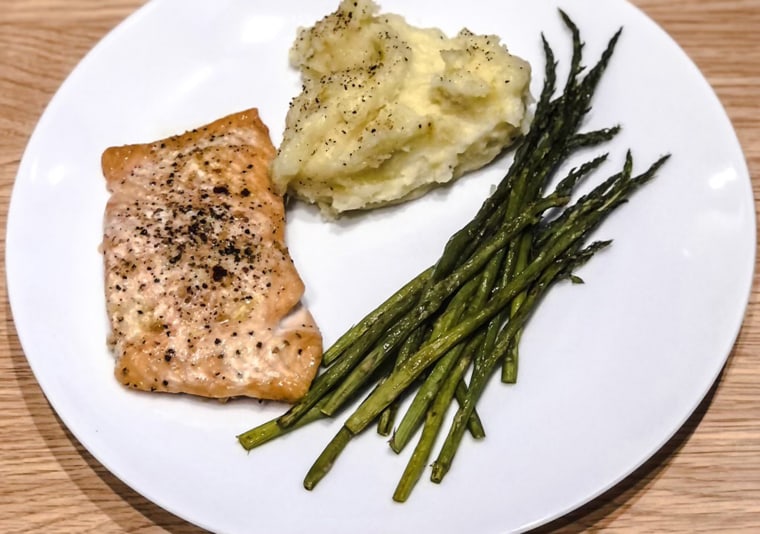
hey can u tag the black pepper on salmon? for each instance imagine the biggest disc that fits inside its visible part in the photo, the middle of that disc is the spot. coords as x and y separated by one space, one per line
201 292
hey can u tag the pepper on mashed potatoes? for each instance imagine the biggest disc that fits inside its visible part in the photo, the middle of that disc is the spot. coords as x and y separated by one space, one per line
388 110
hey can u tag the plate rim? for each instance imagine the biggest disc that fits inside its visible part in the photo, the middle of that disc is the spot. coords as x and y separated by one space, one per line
143 11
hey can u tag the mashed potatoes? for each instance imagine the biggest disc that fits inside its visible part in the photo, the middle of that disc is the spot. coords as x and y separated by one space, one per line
389 110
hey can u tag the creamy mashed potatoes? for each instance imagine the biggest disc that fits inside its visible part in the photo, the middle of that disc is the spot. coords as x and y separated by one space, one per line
389 110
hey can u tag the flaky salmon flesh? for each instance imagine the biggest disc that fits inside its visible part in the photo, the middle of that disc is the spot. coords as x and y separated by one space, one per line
201 292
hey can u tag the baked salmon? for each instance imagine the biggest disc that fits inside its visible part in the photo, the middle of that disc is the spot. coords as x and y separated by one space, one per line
201 292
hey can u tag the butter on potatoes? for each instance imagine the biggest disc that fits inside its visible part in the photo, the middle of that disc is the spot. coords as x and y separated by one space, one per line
388 110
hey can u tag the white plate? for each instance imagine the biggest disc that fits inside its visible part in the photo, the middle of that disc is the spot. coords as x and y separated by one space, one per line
609 370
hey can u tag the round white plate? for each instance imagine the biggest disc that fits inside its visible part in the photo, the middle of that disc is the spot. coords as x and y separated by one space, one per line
609 370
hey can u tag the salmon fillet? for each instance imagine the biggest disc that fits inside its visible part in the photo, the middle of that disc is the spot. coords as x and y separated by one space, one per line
201 292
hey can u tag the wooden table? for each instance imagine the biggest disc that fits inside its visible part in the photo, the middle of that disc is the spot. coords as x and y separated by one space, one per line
707 478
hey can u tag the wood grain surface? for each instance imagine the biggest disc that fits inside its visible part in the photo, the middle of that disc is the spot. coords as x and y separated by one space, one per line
706 479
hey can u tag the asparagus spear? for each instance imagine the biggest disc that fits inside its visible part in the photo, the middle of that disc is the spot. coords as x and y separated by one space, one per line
350 373
489 360
386 312
434 420
573 106
270 430
429 389
409 347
